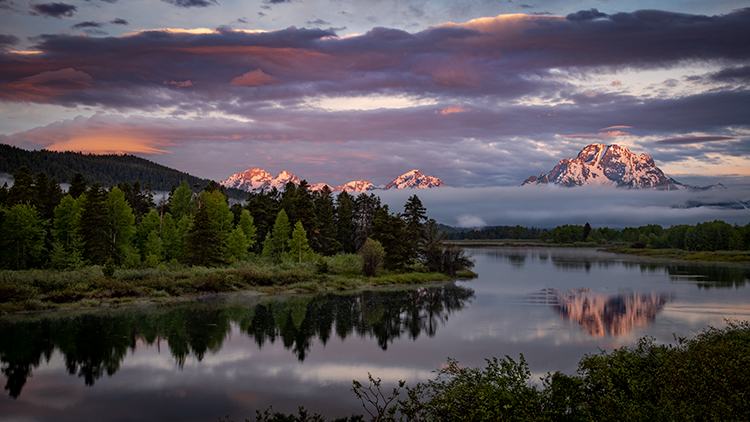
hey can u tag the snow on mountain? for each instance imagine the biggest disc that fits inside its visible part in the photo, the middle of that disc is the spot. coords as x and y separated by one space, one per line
358 186
257 179
613 165
414 180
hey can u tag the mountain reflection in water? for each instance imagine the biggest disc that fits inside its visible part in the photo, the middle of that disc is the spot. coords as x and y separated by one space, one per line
96 343
602 314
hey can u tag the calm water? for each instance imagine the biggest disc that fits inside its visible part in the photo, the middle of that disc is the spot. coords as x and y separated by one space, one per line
220 357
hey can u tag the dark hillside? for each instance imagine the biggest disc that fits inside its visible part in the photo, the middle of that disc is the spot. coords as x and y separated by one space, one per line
107 169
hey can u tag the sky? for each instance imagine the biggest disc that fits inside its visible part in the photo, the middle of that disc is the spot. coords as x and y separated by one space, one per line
481 94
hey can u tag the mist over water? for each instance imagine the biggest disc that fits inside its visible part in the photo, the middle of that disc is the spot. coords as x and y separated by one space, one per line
550 206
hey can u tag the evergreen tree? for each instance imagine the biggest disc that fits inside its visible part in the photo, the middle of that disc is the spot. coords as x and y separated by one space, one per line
23 190
415 215
67 251
263 207
365 207
77 186
204 245
390 231
237 245
298 245
22 237
298 204
345 222
275 243
172 239
182 201
120 225
247 225
93 225
325 236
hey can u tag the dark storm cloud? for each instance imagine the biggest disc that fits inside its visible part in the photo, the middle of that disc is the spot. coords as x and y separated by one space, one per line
6 41
733 74
586 15
55 10
119 21
191 3
87 24
482 59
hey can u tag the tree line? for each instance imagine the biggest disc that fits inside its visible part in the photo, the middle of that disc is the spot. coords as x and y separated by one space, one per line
44 227
708 236
107 169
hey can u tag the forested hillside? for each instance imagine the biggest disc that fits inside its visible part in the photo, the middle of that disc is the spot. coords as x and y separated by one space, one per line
108 170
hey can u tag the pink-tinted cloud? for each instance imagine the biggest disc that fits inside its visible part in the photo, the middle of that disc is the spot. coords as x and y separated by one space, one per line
452 109
255 78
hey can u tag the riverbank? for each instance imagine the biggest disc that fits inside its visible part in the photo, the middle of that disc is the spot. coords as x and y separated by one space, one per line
41 290
726 256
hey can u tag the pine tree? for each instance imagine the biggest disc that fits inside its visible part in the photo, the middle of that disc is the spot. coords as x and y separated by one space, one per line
390 231
365 207
237 245
93 225
120 225
77 186
325 236
204 245
263 207
345 222
275 244
298 245
247 225
22 191
415 215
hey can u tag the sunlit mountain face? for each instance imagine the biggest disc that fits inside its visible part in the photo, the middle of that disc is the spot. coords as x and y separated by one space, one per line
602 314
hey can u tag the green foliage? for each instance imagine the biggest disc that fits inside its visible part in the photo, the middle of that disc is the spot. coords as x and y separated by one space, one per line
298 245
276 242
204 244
704 378
373 255
21 236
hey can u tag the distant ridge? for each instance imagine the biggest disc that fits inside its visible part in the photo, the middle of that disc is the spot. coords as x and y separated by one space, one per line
258 179
107 169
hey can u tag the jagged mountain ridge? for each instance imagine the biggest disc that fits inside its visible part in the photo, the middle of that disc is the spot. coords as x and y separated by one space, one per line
257 179
613 165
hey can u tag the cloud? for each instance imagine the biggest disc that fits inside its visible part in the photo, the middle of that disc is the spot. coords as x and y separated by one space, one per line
87 24
55 10
255 78
452 109
318 22
118 21
693 140
731 74
6 41
586 15
191 3
549 206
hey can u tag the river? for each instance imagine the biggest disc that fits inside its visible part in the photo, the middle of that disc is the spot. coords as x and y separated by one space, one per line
235 354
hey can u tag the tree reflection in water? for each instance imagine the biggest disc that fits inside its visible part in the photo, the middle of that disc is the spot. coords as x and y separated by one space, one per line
94 343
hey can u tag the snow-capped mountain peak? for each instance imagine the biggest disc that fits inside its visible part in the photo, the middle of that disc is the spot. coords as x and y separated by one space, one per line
257 179
415 180
599 164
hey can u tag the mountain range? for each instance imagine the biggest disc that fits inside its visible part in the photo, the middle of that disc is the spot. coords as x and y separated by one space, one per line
611 165
258 179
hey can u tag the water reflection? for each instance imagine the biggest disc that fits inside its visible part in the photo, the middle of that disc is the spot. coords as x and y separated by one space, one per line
93 344
602 314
